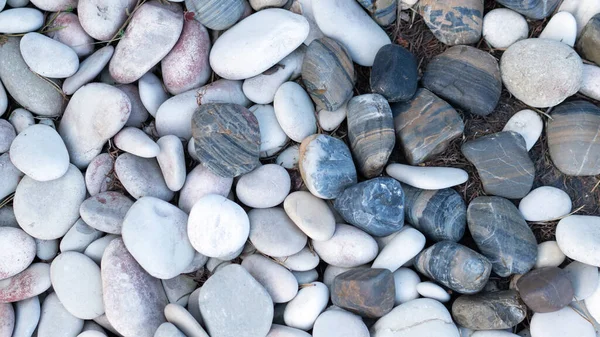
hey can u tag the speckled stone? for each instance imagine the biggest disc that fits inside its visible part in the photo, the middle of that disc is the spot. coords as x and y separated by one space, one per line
589 41
461 269
453 21
29 283
326 166
449 74
546 289
328 73
489 311
503 164
370 133
226 138
368 292
573 140
425 126
382 11
216 14
376 206
533 9
502 235
438 214
394 74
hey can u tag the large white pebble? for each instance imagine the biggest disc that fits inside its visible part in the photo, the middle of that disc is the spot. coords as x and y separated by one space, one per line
79 237
303 310
48 57
279 282
427 178
310 214
406 281
199 183
564 322
295 111
549 255
17 251
503 27
583 11
102 19
434 291
171 160
27 316
590 84
142 177
55 320
272 136
20 20
289 157
403 247
339 323
267 186
584 279
273 233
528 124
545 203
348 247
136 142
562 27
152 92
304 260
578 236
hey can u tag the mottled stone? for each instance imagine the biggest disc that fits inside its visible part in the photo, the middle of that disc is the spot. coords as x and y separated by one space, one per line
503 164
461 269
376 206
489 311
425 126
449 74
367 292
216 14
453 22
29 283
328 73
226 138
533 9
546 289
394 74
439 214
573 140
589 41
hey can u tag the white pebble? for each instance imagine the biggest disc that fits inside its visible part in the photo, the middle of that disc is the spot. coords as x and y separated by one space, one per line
434 291
330 120
406 281
266 186
348 247
20 20
303 310
171 160
152 93
279 282
401 249
272 137
549 255
310 214
135 141
584 279
295 111
427 178
48 57
21 119
88 70
562 28
289 157
304 260
528 124
502 27
545 203
199 183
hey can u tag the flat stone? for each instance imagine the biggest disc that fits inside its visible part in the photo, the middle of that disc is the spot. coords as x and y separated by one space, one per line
29 283
152 93
562 27
105 211
489 311
273 233
67 29
21 20
545 203
462 67
403 247
566 321
527 123
142 177
545 289
88 69
349 247
27 316
272 136
502 27
406 281
184 321
310 214
453 22
278 281
304 260
79 237
200 182
339 323
533 9
368 292
584 279
17 251
302 312
433 291
216 14
589 40
503 164
103 22
578 237
429 178
294 111
48 57
55 320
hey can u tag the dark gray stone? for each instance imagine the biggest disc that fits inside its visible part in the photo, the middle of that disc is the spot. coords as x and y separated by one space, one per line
453 21
534 9
368 292
546 289
394 74
489 311
382 11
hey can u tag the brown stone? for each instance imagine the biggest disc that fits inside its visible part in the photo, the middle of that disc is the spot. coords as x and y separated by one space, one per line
546 289
368 292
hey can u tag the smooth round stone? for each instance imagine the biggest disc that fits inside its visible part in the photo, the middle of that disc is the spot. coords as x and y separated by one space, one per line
27 316
533 9
167 330
578 237
304 260
589 40
331 120
152 93
10 176
527 123
184 321
405 281
565 322
392 63
20 20
267 186
541 72
7 319
46 210
489 311
326 166
31 91
427 178
295 111
453 22
308 276
97 177
279 282
46 250
545 289
590 84
66 28
339 323
55 320
136 142
328 73
220 299
268 36
502 27
310 214
88 69
368 292
545 203
171 160
584 279
217 227
434 291
503 164
142 177
262 4
3 100
216 14
79 237
95 250
272 136
48 57
289 157
465 67
17 251
199 183
55 6
414 319
549 255
400 250
348 247
80 292
302 312
138 114
7 135
273 233
29 283
105 211
155 233
179 288
562 27
582 10
346 22
21 119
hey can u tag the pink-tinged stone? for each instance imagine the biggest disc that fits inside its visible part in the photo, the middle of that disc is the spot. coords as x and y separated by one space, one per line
28 283
67 29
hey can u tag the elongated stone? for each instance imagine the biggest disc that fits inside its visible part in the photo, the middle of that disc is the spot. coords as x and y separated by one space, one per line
216 14
394 74
589 41
534 9
370 132
503 164
461 269
453 21
226 138
368 292
382 11
438 214
546 289
489 311
425 126
29 283
328 73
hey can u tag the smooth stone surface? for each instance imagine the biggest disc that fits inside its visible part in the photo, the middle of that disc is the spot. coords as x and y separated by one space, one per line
279 282
67 29
88 69
21 119
453 22
339 323
545 289
403 247
20 20
310 214
513 249
331 120
590 84
541 72
167 330
562 27
427 178
231 293
578 237
95 250
489 311
348 247
7 319
10 176
48 57
590 39
545 203
346 22
533 9
304 277
97 174
105 211
465 67
406 281
584 279
462 270
549 255
79 237
17 251
184 321
29 283
55 320
368 292
7 135
152 93
142 177
302 312
328 73
27 316
434 291
289 157
171 160
180 288
527 123
273 233
326 166
304 260
278 330
564 322
138 114
294 111
272 136
502 27
199 183
216 14
583 11
503 164
592 304
46 250
103 22
135 141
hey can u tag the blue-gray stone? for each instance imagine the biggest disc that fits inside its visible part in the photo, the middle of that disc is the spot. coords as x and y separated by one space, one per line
394 74
534 9
382 11
453 22
376 206
216 14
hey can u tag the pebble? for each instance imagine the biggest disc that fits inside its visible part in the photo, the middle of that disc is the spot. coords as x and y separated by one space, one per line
331 120
549 255
98 174
294 111
541 72
319 155
406 281
590 85
217 227
105 211
220 299
129 289
20 20
434 291
179 288
578 236
338 323
7 135
346 22
565 322
545 289
489 311
308 276
27 316
584 279
502 27
503 164
55 320
453 22
95 250
304 260
462 67
138 114
513 249
88 70
184 321
7 321
47 210
171 160
349 247
29 283
21 119
79 237
304 8
216 14
167 330
135 141
402 248
368 292
55 6
289 157
493 333
152 93
532 9
10 176
394 62
462 270
141 177
3 100
572 138
427 178
273 233
67 29
279 282
278 330
302 312
310 214
48 57
17 251
272 136
592 304
199 183
328 73
562 27
527 123
46 250
80 292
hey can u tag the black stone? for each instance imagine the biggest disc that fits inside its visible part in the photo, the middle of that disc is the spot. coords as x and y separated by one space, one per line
534 9
546 289
394 74
368 292
489 311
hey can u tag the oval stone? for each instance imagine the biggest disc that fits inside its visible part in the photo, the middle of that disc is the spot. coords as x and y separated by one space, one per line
294 111
273 233
142 177
566 321
79 237
562 27
545 203
453 22
406 281
95 250
67 29
310 214
584 279
338 323
29 283
55 320
20 20
279 282
545 289
152 93
102 20
17 251
303 310
97 174
549 255
48 57
88 70
427 177
393 62
402 248
348 247
216 14
578 237
368 292
304 260
502 27
272 136
199 183
27 316
105 211
489 311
